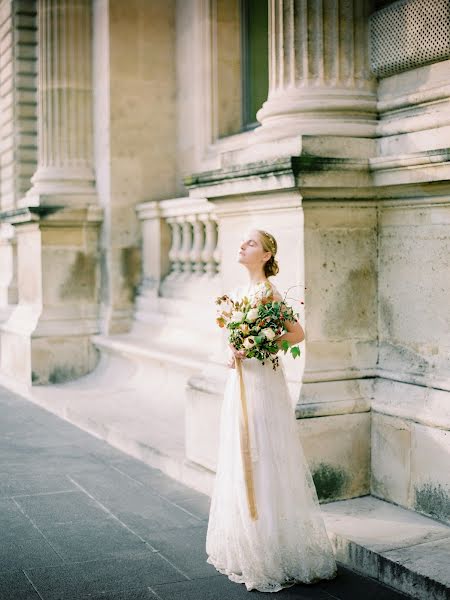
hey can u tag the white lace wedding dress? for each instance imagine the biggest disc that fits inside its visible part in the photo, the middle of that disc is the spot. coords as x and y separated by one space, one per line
287 543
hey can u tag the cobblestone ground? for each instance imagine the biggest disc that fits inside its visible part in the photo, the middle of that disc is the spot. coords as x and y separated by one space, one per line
80 519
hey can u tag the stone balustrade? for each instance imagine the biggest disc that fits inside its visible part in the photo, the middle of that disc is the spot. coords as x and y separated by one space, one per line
180 239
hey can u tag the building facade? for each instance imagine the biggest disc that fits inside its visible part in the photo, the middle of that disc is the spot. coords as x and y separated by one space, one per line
139 140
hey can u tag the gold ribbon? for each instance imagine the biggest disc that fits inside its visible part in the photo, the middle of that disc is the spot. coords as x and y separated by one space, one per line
245 446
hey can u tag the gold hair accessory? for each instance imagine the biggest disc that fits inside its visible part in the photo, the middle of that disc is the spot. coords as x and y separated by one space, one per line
271 242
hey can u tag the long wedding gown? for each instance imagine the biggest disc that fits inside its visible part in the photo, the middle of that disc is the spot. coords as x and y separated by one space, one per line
287 543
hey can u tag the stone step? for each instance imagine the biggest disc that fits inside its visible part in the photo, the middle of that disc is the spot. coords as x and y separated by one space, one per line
137 346
131 402
116 402
394 545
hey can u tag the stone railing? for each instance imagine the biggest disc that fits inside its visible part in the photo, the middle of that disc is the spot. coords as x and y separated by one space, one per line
179 243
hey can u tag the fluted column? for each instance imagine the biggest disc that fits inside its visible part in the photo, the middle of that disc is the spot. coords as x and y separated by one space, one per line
65 98
319 76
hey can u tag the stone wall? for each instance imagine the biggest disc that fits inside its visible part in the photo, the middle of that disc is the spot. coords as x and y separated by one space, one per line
135 136
410 409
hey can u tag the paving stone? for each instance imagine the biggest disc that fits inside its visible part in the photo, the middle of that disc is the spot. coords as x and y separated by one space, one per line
32 483
104 538
26 549
75 580
154 478
198 506
144 594
58 508
21 543
28 594
14 585
134 503
221 588
349 585
51 464
186 549
21 456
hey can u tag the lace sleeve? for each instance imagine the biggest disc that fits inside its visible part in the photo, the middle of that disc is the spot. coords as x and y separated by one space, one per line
276 294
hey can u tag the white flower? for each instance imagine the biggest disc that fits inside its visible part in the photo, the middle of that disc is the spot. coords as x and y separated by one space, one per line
252 315
237 316
249 342
268 333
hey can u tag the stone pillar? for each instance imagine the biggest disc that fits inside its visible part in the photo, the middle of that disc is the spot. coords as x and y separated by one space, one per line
47 337
64 102
320 82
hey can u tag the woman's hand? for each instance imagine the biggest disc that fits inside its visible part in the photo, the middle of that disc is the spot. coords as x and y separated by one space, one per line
235 354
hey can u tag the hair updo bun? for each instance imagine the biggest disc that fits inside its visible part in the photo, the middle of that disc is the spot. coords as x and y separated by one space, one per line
269 244
271 267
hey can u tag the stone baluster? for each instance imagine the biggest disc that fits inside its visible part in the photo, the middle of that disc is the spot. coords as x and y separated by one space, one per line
216 253
319 75
197 244
210 244
186 246
175 248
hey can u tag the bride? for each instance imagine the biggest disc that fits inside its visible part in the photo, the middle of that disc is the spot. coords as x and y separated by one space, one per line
283 540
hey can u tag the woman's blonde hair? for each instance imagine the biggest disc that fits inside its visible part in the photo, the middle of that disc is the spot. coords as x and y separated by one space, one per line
269 244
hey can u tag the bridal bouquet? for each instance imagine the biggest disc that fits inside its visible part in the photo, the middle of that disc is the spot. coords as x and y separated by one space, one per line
255 324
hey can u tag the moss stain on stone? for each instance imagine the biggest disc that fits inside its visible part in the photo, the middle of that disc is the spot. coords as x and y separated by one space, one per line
329 481
62 374
80 284
131 269
345 311
433 500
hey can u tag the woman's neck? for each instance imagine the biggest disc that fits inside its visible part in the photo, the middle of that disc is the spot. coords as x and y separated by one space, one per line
256 276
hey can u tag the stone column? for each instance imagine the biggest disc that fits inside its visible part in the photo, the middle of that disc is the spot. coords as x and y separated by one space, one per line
64 101
47 337
320 81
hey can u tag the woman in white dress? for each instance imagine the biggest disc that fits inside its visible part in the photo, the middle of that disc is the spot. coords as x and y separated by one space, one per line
282 539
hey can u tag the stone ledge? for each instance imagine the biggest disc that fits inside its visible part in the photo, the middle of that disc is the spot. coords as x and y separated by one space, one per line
399 547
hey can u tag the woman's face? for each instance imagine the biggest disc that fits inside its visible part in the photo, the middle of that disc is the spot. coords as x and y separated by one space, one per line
251 252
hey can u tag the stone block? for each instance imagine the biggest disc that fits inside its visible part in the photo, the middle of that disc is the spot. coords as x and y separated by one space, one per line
340 268
59 359
338 451
202 426
430 471
15 348
414 250
390 457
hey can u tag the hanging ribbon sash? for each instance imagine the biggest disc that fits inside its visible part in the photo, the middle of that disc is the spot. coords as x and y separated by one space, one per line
245 446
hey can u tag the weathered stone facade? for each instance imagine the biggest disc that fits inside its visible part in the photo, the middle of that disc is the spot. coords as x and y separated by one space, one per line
123 202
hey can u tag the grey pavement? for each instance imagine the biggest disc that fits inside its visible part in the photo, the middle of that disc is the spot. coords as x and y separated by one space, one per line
80 519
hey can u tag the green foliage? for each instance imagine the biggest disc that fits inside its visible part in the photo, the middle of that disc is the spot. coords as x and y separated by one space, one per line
247 333
295 351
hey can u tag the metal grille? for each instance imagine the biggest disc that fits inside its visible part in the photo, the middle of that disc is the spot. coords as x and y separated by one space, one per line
408 34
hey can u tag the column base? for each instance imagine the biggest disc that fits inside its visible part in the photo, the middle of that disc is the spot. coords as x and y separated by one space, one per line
318 111
74 185
46 338
57 359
